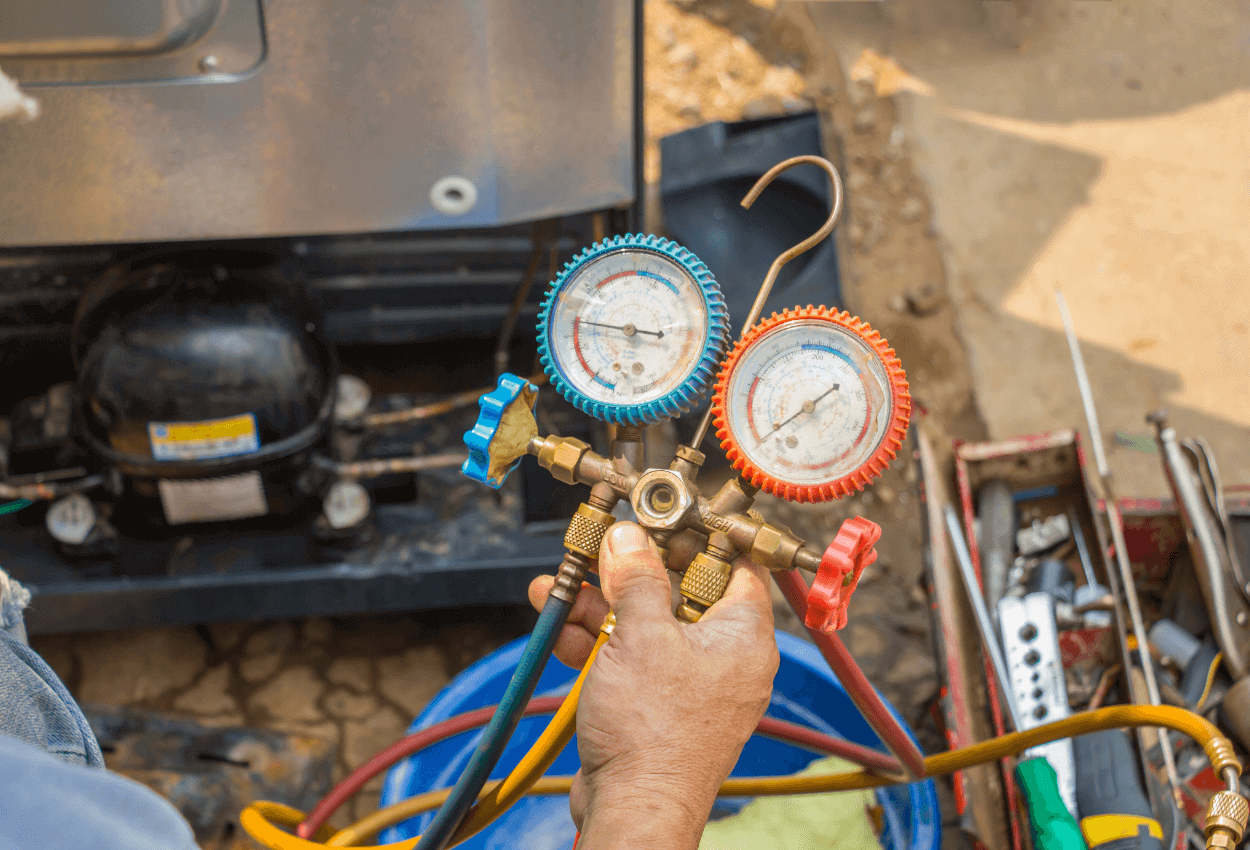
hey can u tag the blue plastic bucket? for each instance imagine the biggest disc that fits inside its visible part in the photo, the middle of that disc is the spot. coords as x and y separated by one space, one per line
805 691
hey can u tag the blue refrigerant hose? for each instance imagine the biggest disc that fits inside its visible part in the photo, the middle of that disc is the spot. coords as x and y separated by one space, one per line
524 680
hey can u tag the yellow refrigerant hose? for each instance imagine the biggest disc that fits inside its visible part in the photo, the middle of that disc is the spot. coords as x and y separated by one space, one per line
497 799
262 819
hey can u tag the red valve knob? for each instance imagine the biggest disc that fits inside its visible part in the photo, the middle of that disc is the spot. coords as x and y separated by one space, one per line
839 573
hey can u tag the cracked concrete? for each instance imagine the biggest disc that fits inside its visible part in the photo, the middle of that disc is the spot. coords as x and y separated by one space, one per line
304 676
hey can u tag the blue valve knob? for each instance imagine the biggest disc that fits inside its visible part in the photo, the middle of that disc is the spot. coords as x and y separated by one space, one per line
501 436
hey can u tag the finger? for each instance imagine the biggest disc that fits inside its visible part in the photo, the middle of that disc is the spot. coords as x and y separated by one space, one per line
539 589
635 583
682 548
573 646
578 636
589 610
746 598
577 799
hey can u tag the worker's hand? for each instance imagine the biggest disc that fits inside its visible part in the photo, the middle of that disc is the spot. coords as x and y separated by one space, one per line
667 707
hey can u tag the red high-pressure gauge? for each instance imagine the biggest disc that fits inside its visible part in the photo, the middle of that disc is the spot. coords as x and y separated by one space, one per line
811 405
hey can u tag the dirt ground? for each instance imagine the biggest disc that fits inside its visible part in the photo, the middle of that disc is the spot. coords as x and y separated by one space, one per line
907 230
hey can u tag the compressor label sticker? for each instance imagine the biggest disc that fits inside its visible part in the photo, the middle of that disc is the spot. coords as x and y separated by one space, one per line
235 435
213 499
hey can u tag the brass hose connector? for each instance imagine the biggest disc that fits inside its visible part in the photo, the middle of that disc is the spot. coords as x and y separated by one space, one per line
583 538
1222 755
704 583
586 530
1227 814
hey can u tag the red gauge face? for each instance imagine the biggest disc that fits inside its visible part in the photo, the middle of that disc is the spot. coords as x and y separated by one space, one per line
811 405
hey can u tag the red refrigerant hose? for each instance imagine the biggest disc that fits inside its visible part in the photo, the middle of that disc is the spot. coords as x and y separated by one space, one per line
858 688
791 733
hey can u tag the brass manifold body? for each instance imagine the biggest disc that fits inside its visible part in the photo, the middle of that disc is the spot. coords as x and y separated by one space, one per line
666 501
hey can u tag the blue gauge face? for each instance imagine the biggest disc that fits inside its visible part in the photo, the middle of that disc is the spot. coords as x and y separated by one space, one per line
632 334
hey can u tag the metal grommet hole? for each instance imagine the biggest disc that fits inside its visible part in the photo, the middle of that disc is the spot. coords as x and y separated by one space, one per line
453 195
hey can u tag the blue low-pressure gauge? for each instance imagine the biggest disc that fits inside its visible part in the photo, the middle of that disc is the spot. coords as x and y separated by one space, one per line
632 330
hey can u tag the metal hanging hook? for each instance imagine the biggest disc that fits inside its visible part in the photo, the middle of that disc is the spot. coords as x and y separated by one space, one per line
834 214
769 279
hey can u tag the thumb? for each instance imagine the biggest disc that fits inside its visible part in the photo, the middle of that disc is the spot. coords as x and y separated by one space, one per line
634 580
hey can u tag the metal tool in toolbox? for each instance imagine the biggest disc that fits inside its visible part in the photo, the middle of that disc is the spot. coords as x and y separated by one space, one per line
1091 592
1035 684
1050 790
1117 537
1042 476
1194 478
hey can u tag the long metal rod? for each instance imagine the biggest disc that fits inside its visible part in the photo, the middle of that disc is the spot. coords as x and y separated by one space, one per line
1082 549
984 624
1082 384
1117 536
766 287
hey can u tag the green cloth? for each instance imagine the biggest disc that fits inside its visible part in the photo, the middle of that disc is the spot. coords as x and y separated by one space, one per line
802 822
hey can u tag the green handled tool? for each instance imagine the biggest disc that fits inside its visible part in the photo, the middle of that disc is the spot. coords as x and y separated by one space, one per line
1052 824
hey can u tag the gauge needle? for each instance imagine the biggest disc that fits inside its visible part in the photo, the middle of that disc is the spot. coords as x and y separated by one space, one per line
629 330
808 407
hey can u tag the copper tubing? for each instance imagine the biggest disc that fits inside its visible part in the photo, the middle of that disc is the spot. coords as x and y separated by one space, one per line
39 491
431 410
544 233
1105 681
858 688
391 465
424 411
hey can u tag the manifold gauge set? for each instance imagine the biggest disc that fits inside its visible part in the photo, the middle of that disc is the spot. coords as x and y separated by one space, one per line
809 405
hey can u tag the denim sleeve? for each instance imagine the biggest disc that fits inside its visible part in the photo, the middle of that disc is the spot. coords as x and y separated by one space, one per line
35 706
48 804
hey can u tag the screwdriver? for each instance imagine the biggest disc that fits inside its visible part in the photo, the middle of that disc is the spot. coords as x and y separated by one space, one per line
1091 590
1053 826
1115 812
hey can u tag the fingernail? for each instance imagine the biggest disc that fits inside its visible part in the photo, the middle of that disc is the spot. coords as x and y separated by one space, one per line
626 537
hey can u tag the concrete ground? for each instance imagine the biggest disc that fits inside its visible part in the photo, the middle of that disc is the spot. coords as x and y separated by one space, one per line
991 151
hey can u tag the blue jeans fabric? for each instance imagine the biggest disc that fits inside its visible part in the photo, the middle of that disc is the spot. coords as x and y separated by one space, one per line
35 706
53 793
46 804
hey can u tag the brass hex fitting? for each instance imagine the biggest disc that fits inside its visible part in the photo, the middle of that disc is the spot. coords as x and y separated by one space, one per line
586 530
704 583
1227 814
661 500
561 455
774 548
